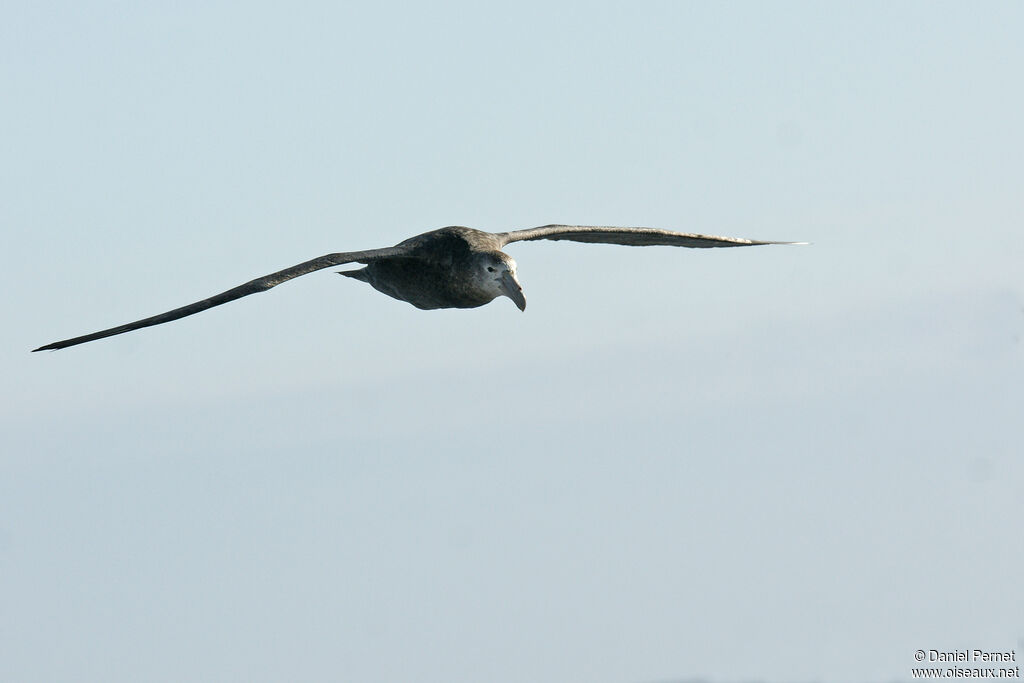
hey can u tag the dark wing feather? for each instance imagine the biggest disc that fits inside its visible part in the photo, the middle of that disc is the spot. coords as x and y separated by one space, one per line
260 284
634 237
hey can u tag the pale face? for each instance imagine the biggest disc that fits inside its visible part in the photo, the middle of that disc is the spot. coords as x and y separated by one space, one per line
498 276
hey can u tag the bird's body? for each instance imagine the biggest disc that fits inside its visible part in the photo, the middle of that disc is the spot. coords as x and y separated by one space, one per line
438 271
453 267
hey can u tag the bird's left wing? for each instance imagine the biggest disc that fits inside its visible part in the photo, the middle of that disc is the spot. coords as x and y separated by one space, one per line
260 284
634 237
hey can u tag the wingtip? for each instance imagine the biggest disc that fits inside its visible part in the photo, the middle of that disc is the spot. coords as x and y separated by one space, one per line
53 346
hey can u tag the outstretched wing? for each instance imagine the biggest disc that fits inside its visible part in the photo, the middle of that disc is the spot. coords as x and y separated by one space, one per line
260 284
634 237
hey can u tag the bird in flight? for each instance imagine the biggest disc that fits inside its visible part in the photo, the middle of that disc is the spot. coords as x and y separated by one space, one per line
452 267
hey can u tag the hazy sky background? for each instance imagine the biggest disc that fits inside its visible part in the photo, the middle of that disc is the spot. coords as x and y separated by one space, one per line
774 464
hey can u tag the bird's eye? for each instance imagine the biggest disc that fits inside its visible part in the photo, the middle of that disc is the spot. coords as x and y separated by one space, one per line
490 269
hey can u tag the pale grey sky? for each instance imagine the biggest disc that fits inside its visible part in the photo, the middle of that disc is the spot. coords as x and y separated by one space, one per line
771 464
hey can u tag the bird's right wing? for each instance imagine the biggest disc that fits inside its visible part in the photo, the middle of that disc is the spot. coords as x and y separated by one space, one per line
260 284
634 237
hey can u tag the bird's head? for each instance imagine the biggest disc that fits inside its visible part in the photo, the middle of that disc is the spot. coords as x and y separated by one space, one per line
497 276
